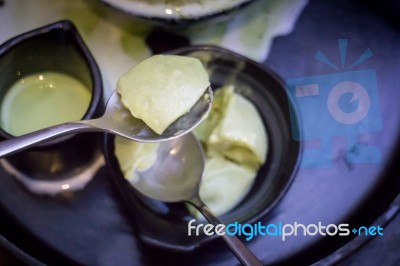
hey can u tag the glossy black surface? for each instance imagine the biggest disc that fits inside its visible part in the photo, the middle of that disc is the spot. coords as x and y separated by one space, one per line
90 227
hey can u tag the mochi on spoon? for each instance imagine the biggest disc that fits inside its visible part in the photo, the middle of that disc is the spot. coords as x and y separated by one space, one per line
162 88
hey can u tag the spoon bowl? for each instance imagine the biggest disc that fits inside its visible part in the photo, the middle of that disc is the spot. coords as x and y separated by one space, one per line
116 120
175 176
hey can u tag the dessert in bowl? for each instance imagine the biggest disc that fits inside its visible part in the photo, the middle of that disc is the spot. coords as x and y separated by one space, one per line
164 224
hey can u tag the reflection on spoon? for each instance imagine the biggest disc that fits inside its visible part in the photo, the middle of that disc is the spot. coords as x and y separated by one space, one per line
116 120
175 176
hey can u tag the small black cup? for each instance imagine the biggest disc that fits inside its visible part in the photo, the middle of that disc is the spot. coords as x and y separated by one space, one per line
56 47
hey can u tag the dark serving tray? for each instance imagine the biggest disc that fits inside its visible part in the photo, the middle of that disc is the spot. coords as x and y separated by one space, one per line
90 226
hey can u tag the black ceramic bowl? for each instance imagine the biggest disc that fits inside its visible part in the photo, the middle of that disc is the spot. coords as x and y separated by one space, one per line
164 224
177 13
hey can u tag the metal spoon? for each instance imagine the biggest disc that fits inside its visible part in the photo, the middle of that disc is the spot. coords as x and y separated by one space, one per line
116 120
175 176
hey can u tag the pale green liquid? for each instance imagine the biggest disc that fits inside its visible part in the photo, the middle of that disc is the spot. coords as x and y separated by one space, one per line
42 100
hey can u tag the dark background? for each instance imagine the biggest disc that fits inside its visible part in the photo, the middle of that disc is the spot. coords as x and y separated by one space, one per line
333 19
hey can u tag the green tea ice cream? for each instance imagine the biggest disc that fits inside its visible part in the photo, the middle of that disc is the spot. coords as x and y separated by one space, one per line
162 88
235 141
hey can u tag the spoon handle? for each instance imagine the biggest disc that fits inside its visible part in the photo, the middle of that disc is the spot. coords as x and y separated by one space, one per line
10 146
243 254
